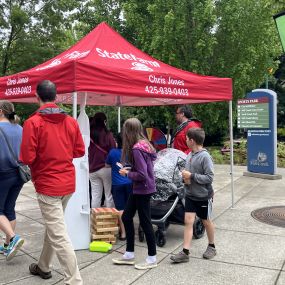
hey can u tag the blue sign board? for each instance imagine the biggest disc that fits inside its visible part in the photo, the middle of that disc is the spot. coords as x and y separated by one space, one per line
262 142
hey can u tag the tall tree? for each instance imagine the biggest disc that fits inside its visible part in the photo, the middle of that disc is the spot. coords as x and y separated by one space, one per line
227 38
279 87
178 33
31 32
90 13
246 44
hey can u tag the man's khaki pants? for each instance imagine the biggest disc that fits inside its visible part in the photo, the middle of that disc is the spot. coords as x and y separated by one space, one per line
56 240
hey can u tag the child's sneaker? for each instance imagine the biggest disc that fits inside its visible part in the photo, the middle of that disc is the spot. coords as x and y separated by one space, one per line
3 250
180 257
13 247
210 252
145 265
125 261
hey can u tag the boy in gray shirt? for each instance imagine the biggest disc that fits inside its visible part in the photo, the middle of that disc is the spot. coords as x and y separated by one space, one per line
198 177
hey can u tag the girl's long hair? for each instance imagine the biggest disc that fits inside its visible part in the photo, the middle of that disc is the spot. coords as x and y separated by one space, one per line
132 133
9 112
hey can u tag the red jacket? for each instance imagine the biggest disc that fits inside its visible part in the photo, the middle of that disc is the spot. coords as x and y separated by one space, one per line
51 139
179 141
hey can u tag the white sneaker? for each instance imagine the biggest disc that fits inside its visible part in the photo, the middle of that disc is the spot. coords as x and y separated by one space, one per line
145 265
126 261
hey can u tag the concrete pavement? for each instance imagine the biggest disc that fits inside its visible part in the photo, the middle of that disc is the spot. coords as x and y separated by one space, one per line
249 252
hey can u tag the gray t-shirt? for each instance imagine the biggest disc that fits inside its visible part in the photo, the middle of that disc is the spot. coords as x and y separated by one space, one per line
14 134
201 166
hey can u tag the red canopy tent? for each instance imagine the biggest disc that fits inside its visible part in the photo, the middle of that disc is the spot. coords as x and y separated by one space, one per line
111 71
104 69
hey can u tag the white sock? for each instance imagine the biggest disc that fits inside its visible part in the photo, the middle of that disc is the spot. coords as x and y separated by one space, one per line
151 259
129 255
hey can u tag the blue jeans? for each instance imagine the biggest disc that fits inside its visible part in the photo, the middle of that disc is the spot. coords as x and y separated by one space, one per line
10 187
121 195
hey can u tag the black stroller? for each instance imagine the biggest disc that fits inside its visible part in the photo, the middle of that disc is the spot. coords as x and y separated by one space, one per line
167 204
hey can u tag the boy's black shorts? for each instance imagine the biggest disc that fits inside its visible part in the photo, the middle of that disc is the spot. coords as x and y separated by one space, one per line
203 209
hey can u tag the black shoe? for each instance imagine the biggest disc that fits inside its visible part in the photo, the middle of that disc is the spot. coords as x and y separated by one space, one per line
35 270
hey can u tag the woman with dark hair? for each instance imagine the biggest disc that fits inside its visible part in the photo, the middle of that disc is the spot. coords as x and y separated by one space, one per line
10 181
101 142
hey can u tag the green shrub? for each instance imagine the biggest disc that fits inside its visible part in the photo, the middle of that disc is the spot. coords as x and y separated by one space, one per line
281 134
281 154
240 153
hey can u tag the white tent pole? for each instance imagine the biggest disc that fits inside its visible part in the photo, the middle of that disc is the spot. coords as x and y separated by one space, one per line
74 105
119 119
232 149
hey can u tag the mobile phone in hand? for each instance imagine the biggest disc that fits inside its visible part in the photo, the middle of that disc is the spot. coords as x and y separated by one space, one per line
120 165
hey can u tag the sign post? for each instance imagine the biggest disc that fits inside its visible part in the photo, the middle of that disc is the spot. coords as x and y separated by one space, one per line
257 113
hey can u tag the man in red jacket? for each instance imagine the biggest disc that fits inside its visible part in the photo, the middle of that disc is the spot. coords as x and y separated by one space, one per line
51 139
184 118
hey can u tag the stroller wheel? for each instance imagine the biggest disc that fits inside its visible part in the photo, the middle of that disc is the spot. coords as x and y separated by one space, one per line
198 228
141 234
160 238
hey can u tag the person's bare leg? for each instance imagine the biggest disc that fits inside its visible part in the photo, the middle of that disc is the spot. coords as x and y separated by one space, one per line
7 227
211 249
121 224
183 256
13 224
210 230
188 229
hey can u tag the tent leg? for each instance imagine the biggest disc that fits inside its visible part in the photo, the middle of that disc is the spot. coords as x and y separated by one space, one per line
231 149
74 105
119 119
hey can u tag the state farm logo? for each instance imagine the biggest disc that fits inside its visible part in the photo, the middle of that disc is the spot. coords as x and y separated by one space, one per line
52 64
140 66
72 55
143 64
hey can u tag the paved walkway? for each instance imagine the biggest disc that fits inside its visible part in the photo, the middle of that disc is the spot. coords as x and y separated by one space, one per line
249 252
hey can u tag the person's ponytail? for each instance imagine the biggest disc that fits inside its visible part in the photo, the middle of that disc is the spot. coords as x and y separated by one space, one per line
9 112
13 118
